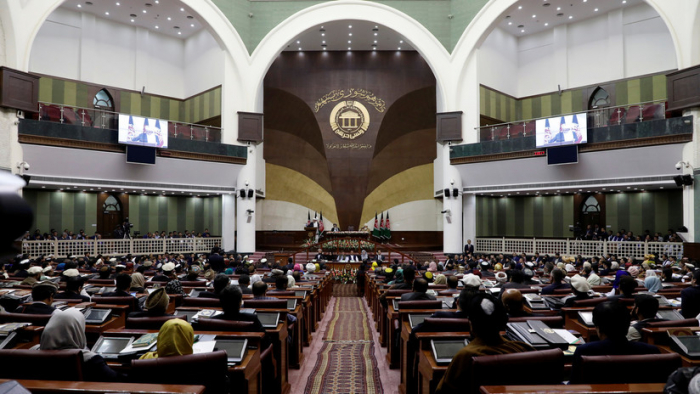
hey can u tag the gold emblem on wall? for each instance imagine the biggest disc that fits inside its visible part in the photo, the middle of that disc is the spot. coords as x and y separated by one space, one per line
349 119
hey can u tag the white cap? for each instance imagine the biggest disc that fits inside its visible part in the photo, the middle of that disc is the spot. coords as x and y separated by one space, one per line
168 267
580 283
121 266
24 262
47 268
34 270
471 280
71 272
263 260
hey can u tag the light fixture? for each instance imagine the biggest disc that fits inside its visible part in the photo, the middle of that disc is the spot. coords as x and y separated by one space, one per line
298 42
323 42
106 12
399 48
157 2
534 16
179 33
571 17
323 34
375 34
522 31
350 27
546 24
510 23
624 1
375 41
118 3
182 9
349 49
300 48
192 25
132 20
350 34
144 11
156 26
400 41
520 7
558 8
349 42
596 10
169 18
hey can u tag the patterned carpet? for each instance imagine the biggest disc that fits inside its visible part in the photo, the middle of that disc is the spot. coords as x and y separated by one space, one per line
346 362
343 290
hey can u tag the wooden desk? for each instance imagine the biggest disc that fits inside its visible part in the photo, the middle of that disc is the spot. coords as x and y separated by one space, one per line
246 375
687 361
571 322
637 388
659 336
429 372
58 386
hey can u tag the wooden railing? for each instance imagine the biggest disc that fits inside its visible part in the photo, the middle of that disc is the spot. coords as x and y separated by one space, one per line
119 247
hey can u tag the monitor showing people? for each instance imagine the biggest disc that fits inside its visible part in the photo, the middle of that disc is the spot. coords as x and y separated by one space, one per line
135 130
562 130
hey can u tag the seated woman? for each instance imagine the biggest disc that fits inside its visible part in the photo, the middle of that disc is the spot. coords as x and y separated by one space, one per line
652 282
175 338
66 330
156 305
138 283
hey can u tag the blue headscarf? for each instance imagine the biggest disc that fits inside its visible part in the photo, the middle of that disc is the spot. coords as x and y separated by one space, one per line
618 275
652 283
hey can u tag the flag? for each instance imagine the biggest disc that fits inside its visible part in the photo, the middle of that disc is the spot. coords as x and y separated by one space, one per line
308 218
376 233
320 225
381 226
159 134
578 136
131 132
547 131
387 227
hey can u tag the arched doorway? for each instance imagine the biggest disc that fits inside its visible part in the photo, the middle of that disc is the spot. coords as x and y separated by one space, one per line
111 213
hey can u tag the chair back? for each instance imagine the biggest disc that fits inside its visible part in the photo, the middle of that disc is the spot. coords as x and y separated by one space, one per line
209 369
201 301
437 324
224 325
193 283
266 304
674 323
645 368
48 364
35 319
101 282
281 293
526 368
397 292
420 304
150 322
590 302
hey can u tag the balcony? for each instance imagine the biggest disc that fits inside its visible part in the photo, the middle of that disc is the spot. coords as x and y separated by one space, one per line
635 122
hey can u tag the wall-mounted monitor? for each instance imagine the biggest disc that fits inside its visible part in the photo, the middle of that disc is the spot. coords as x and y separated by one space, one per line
135 130
562 155
561 130
140 155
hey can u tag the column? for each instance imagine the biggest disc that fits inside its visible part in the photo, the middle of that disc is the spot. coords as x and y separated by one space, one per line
452 205
245 207
691 155
10 149
469 218
228 221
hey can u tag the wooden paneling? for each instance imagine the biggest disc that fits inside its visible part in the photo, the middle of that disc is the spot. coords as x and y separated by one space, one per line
691 250
683 88
18 90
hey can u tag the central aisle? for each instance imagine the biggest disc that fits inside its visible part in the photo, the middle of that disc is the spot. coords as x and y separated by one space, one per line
345 356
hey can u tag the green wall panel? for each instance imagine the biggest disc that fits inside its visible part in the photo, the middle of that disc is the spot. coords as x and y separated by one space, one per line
543 217
654 211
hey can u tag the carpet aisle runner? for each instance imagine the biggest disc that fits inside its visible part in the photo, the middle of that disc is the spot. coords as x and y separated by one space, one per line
346 362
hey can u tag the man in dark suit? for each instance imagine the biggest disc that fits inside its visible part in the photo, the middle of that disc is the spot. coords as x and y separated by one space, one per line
220 283
42 296
319 255
244 284
74 285
123 286
612 321
690 298
216 262
420 286
231 299
469 248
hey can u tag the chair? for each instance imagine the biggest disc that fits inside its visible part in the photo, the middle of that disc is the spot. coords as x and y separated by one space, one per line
616 116
35 319
209 369
422 304
397 292
49 364
517 130
632 114
527 368
643 368
437 324
149 323
284 293
205 302
530 128
651 112
265 304
674 323
224 325
130 301
590 302
551 321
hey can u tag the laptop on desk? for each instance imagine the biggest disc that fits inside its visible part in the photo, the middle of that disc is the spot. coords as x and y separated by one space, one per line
96 316
269 319
300 293
292 304
109 347
416 319
445 350
235 349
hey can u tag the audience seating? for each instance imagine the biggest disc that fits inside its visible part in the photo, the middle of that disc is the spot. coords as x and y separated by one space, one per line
551 321
530 128
616 116
590 302
674 323
208 368
651 112
422 304
397 292
538 367
265 304
47 364
282 293
109 282
35 319
437 324
129 301
223 325
149 323
632 114
205 302
627 369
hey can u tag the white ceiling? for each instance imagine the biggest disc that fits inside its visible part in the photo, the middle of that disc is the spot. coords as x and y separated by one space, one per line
340 36
539 15
169 17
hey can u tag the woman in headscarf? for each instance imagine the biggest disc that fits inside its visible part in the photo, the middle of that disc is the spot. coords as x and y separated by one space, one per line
652 282
66 330
633 270
432 267
291 282
619 274
364 256
156 304
175 338
138 283
440 279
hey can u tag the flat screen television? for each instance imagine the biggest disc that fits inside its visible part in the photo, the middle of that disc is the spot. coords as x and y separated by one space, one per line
562 155
140 154
561 130
135 130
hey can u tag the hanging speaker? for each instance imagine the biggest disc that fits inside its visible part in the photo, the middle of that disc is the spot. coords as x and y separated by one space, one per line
455 192
447 192
678 179
687 180
242 193
250 193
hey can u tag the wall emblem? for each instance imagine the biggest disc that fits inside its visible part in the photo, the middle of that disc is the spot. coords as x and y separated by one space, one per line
349 119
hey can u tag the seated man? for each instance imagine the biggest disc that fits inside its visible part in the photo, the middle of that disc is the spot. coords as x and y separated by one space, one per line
628 285
420 286
557 282
231 299
260 291
123 287
645 308
452 283
33 276
487 318
156 305
513 302
42 296
220 283
281 283
244 284
580 288
612 322
74 286
690 298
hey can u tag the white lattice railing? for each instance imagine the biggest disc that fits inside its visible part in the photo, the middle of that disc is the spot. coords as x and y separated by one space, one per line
119 247
574 247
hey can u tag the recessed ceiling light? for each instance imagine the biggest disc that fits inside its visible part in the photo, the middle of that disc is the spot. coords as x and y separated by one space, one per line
350 34
534 16
324 48
300 49
349 42
349 49
156 26
144 11
323 34
323 42
399 48
118 3
350 27
375 41
558 8
522 31
624 1
375 34
179 33
182 9
80 6
510 23
571 17
596 10
169 18
132 20
585 1
156 1
298 42
520 7
192 25
400 41
661 187
546 24
106 12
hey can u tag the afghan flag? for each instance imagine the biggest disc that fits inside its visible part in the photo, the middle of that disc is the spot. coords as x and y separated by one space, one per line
376 232
320 225
578 136
308 218
131 133
547 131
381 226
387 227
159 134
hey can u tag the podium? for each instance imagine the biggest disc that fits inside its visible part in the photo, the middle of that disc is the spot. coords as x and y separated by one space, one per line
311 232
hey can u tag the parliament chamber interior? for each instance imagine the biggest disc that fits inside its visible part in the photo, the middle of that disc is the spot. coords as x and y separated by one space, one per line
401 197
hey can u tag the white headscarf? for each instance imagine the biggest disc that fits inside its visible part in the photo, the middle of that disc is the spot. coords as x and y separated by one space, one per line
66 330
291 282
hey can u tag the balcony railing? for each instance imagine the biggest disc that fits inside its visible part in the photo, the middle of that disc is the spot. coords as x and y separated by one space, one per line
103 119
600 117
572 247
118 247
